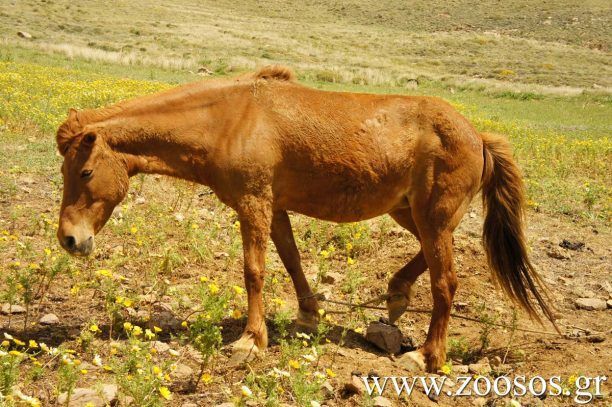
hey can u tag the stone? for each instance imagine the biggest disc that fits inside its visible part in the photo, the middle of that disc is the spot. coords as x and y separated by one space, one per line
226 405
590 304
566 244
161 347
460 368
496 361
380 401
354 386
191 405
331 277
479 402
609 303
49 319
386 337
106 395
182 376
482 367
24 34
8 309
558 253
328 390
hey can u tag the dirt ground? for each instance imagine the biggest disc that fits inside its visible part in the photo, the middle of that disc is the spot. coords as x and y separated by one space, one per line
570 274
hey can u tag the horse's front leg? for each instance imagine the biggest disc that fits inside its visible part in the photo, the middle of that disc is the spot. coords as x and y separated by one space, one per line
255 219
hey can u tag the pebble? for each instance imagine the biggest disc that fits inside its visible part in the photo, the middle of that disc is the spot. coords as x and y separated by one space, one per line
354 386
590 304
380 401
386 337
91 397
49 319
7 309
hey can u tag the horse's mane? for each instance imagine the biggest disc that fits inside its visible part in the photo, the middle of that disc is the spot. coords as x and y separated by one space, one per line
278 72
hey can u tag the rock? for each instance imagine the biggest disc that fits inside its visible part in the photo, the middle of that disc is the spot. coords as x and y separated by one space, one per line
380 401
49 319
331 277
609 303
590 304
566 244
482 367
182 376
559 254
8 309
355 386
328 390
24 34
479 402
204 71
496 361
226 405
194 405
595 338
161 347
460 369
179 217
221 255
140 200
460 305
101 397
386 337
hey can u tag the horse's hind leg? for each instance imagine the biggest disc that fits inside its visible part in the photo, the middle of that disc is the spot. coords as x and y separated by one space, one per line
282 236
400 290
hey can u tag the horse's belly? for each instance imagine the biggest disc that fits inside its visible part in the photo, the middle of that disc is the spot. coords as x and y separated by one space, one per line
342 200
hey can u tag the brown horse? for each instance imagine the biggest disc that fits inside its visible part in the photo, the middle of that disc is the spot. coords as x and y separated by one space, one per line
267 145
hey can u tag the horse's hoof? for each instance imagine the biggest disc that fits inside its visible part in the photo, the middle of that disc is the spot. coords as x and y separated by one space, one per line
396 306
307 322
243 350
413 361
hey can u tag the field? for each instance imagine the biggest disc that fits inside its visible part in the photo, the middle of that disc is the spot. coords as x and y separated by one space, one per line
155 307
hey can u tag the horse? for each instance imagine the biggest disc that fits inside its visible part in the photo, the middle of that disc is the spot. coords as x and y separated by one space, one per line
266 145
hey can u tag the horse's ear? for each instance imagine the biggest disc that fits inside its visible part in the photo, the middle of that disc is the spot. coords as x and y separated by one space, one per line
72 114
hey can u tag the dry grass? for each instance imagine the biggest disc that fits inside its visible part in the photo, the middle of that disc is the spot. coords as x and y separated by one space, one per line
360 43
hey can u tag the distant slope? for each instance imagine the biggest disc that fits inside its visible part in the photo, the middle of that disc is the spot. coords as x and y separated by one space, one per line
542 44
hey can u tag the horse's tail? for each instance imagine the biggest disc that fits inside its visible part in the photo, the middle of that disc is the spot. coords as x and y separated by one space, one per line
503 237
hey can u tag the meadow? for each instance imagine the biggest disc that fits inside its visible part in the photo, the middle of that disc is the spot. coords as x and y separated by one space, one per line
152 310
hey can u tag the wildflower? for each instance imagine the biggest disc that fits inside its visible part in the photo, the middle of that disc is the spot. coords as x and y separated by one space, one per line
83 371
105 273
165 393
236 314
246 392
127 302
319 375
97 360
349 246
237 289
358 330
350 261
302 335
294 364
321 311
446 369
184 324
149 334
330 372
514 403
32 344
213 288
324 254
9 337
203 279
157 329
94 328
33 401
18 342
5 344
128 326
15 353
119 300
157 370
278 302
281 372
309 358
133 230
47 251
207 378
137 331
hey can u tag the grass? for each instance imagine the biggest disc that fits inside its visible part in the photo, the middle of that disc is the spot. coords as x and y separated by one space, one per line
357 42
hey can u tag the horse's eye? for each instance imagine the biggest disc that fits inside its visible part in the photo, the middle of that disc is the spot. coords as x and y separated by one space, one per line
86 173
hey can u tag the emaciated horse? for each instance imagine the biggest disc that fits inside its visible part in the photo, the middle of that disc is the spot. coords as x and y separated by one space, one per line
267 145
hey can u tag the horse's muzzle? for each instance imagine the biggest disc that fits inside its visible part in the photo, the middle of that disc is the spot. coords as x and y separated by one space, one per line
77 248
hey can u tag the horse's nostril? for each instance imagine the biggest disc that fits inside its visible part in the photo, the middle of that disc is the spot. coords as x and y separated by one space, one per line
70 242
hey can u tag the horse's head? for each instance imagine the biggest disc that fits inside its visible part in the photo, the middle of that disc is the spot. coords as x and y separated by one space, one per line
95 181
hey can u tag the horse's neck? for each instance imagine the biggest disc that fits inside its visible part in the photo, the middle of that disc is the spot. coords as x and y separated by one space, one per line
162 144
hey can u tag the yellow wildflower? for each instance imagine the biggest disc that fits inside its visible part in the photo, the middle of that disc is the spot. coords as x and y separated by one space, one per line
165 393
213 288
